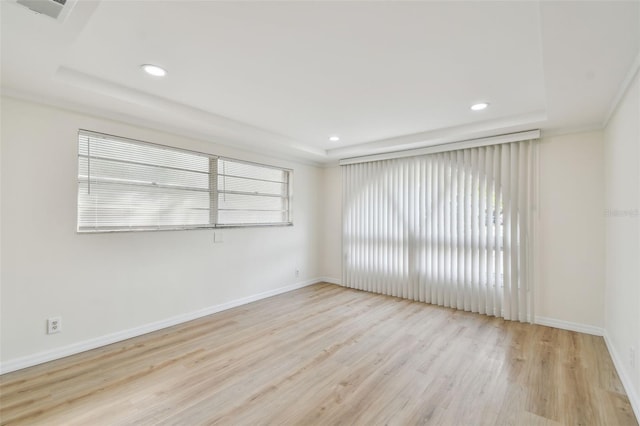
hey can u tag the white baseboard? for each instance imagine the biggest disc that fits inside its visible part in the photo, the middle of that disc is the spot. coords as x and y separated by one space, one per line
632 394
568 325
74 348
331 280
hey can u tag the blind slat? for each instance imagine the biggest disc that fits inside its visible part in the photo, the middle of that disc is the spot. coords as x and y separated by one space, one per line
454 228
126 185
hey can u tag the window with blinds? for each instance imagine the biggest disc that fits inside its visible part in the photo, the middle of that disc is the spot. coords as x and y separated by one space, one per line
251 193
127 185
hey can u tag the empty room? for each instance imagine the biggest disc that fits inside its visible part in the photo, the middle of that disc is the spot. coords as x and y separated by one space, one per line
320 212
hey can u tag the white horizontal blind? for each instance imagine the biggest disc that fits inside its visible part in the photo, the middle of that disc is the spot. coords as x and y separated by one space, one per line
127 185
452 229
252 194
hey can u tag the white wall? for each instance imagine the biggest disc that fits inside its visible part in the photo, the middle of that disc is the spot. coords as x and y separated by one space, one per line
107 283
570 281
622 224
332 225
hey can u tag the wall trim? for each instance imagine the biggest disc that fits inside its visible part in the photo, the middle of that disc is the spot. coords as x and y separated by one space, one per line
622 90
568 325
211 139
331 280
86 345
627 383
560 131
445 147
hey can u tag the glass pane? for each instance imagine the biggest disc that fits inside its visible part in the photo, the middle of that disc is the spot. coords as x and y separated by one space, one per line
139 173
143 153
227 167
249 202
226 183
108 205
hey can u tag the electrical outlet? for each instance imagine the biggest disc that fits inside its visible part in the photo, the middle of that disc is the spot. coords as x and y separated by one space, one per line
297 273
632 357
54 325
218 237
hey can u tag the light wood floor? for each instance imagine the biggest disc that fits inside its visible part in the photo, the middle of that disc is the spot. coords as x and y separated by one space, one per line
329 355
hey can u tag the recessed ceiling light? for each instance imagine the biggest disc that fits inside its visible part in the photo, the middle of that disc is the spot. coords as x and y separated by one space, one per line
154 70
334 138
480 106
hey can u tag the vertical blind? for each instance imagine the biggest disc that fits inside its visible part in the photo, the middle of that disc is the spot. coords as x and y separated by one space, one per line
125 184
452 229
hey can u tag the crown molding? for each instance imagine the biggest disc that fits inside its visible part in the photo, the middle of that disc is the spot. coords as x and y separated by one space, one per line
622 90
178 131
477 130
450 146
205 121
559 131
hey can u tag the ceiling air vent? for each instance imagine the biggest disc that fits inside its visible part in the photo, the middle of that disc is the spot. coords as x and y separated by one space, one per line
52 8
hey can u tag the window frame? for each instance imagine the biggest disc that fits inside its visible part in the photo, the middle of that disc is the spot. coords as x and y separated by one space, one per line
213 188
289 198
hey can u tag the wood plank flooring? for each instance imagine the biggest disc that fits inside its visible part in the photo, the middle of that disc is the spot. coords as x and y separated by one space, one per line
329 355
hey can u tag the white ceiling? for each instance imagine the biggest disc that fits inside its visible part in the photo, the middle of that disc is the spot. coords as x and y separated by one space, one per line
284 76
